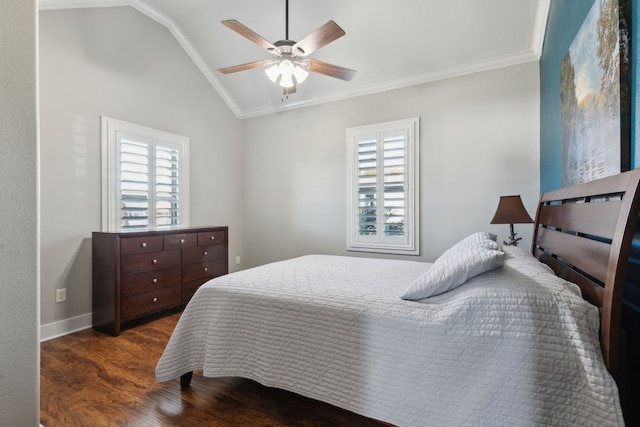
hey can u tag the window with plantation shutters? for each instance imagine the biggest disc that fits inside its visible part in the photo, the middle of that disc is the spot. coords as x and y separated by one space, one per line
145 178
382 194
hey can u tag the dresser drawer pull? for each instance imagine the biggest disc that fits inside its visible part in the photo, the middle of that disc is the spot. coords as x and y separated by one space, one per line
212 237
155 280
143 244
155 261
155 300
181 241
206 269
205 253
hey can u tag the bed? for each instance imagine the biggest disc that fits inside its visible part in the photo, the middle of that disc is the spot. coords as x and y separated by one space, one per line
534 340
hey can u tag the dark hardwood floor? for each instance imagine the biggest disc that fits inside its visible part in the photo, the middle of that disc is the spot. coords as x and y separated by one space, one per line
92 379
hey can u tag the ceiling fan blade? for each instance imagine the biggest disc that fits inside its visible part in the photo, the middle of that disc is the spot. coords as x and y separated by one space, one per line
320 37
249 34
247 66
330 69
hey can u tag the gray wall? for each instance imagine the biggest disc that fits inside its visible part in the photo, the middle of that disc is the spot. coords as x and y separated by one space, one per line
19 338
479 140
119 63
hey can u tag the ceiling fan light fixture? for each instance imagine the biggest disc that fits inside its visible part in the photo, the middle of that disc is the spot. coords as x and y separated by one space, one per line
300 73
284 72
273 72
286 80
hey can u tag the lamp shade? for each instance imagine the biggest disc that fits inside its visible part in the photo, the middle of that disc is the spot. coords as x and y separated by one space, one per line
511 211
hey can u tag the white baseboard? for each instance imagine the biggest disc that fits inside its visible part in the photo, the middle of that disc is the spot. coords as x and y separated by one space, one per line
65 327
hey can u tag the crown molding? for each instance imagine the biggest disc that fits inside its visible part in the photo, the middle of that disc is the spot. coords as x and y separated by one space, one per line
416 79
540 27
78 4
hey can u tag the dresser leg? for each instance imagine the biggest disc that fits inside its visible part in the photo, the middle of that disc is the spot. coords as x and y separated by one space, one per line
185 379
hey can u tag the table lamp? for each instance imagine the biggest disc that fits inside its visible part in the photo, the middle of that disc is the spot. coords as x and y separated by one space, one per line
511 211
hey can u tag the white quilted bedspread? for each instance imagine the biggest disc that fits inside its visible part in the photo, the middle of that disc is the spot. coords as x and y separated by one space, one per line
513 347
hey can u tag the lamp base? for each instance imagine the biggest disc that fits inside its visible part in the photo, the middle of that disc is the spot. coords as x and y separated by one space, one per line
513 240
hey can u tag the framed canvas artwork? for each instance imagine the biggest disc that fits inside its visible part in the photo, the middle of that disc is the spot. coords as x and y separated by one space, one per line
595 95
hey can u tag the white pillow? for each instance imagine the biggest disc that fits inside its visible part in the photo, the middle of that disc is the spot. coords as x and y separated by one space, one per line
475 240
466 259
479 237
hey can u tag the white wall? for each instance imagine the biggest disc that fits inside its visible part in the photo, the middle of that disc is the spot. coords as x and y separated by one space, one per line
479 140
19 339
119 63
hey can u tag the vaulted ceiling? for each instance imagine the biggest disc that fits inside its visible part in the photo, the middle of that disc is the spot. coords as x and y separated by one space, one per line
391 44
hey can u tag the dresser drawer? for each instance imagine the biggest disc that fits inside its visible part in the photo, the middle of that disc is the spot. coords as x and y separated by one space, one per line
203 253
138 245
206 238
145 282
150 302
190 288
177 241
205 269
140 263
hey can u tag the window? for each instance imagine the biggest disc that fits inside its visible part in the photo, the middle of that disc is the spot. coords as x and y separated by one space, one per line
382 193
145 181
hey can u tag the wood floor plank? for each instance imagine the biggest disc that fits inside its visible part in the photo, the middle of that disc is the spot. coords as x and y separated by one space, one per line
92 379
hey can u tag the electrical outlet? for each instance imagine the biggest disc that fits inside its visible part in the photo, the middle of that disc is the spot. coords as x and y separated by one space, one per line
238 260
61 295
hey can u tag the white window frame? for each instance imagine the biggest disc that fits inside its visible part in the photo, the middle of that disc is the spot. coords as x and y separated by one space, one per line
112 129
410 244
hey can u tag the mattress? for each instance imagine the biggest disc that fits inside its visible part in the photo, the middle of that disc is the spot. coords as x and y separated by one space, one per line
514 346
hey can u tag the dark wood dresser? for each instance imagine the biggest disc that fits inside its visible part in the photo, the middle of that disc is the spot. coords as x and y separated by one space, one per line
136 274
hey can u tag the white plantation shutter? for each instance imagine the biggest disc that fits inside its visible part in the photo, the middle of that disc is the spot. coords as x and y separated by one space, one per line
383 187
394 187
367 187
134 183
167 203
145 174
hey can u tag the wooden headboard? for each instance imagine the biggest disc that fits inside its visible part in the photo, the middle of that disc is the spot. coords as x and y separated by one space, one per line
584 234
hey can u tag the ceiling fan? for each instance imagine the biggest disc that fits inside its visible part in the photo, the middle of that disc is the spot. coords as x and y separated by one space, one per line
290 65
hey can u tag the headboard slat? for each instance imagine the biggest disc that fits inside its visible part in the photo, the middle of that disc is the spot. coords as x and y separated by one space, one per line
613 184
589 256
598 219
593 294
